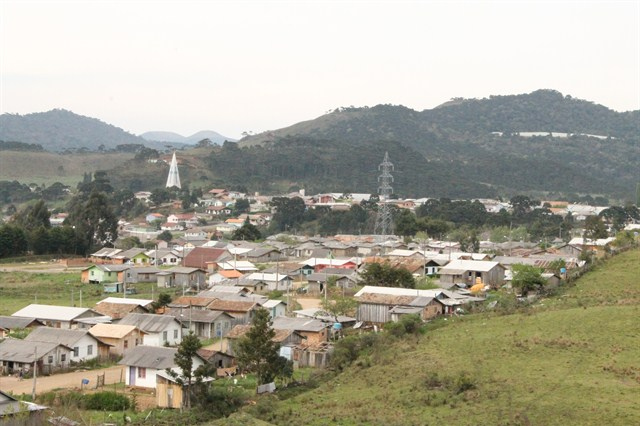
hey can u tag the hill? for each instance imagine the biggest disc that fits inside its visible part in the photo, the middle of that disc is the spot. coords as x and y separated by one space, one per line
48 167
172 137
59 130
483 140
566 360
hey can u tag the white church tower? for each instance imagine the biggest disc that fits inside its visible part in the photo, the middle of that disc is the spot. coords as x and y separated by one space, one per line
174 177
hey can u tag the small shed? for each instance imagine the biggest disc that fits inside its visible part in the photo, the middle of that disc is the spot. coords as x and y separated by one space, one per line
169 392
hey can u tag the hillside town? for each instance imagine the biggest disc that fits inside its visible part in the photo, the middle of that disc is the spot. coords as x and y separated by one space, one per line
215 285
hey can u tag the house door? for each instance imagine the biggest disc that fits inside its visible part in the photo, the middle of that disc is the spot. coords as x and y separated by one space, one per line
170 397
132 376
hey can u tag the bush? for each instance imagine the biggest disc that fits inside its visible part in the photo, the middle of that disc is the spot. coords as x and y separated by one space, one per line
408 324
109 401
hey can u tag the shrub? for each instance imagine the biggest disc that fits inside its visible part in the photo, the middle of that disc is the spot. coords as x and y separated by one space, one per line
109 401
463 383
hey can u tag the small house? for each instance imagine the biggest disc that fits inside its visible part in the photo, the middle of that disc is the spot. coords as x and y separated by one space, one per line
62 316
20 413
19 355
120 337
160 330
276 308
206 324
469 271
84 346
11 324
313 331
143 363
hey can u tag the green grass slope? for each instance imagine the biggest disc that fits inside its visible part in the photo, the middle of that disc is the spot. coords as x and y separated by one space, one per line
47 167
574 359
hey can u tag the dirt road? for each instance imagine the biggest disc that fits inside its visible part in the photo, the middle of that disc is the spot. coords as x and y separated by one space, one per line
308 303
66 380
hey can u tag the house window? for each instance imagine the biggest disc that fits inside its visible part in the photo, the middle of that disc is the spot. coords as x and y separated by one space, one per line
164 336
137 342
126 343
50 359
175 334
91 273
142 372
90 350
63 357
76 351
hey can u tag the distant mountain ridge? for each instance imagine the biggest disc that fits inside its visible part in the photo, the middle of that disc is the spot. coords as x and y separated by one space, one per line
171 137
59 130
479 140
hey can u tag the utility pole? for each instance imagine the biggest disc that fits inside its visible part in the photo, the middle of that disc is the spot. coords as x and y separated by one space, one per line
384 221
35 372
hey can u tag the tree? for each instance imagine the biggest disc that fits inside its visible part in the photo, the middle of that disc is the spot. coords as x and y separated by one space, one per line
33 217
94 220
247 232
557 265
163 300
258 353
594 228
13 241
405 223
339 305
289 212
165 236
241 206
187 350
385 275
527 278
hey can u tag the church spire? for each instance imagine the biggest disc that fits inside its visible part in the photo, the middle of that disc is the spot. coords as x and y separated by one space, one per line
174 177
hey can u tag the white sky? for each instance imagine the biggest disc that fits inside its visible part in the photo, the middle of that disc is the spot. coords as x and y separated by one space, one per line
237 66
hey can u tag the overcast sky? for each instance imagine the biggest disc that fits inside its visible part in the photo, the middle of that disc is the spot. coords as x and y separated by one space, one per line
237 66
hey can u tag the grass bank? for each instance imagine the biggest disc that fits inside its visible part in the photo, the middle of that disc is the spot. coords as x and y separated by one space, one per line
571 359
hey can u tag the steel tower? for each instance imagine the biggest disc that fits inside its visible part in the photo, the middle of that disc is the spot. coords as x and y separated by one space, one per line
384 221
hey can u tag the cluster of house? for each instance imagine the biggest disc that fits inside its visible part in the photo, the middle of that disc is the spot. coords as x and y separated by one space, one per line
218 205
306 263
223 284
145 338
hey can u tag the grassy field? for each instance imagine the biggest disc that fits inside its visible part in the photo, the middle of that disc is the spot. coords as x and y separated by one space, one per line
574 359
48 167
19 289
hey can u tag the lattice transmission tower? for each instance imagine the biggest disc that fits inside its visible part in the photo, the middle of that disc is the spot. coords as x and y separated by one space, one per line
384 221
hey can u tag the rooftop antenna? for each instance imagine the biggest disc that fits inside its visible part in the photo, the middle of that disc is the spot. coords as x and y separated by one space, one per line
384 221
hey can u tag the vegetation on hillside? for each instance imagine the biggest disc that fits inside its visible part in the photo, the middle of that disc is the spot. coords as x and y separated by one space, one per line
547 363
459 135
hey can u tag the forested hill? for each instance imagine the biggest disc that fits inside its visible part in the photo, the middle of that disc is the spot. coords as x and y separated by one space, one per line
460 135
59 130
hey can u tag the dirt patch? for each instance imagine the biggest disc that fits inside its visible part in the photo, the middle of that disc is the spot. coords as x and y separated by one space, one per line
62 381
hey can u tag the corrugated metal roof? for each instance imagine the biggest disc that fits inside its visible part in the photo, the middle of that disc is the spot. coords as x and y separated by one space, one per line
56 335
114 331
298 324
120 300
398 291
149 323
11 323
118 310
157 357
468 265
197 315
23 351
52 312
